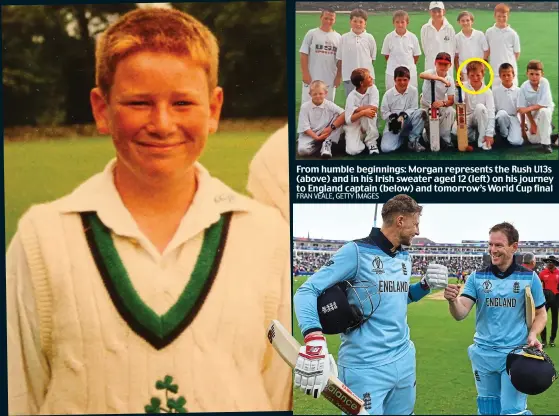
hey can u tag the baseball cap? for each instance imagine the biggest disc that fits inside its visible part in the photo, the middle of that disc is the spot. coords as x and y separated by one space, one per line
528 258
436 5
443 56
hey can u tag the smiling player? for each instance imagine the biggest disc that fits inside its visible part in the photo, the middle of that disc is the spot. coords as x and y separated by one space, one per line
127 290
498 293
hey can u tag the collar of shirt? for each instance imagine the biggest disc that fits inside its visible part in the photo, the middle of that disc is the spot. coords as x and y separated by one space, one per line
469 86
99 194
355 35
318 106
384 243
505 29
400 36
445 23
403 93
501 275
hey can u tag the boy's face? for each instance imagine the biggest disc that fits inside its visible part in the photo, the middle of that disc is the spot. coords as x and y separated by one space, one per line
437 14
327 20
466 22
159 112
401 83
318 95
501 18
475 77
368 81
507 77
534 75
442 67
358 24
400 24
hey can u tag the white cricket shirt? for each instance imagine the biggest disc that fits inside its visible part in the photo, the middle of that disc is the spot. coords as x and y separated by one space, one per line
317 117
321 47
472 46
394 102
357 51
506 99
401 50
472 100
356 100
441 90
503 44
434 41
527 96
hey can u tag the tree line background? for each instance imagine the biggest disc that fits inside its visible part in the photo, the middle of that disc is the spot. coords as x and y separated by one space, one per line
49 60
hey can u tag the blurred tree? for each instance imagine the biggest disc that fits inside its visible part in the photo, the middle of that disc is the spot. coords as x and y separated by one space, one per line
49 64
48 61
253 67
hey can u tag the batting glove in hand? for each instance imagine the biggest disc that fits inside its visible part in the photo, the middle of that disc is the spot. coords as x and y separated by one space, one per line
394 125
313 366
436 276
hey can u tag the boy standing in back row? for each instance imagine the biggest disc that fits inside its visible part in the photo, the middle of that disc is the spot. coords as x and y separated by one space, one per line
437 35
504 43
318 56
358 49
470 43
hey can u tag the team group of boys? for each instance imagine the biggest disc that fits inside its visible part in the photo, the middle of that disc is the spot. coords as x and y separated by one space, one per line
514 114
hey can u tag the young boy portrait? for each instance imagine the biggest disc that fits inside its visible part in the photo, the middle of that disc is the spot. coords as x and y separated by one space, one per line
142 290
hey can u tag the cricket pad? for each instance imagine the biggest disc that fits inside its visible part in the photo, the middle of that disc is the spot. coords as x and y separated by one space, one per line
531 371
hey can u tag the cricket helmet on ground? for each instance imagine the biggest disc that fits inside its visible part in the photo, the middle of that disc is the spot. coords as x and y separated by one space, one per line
531 371
346 306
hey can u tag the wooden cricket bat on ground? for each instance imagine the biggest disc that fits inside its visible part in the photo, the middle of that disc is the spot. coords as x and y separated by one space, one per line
335 392
461 121
434 137
530 307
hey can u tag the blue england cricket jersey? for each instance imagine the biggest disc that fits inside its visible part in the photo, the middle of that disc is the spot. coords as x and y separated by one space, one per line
500 305
373 262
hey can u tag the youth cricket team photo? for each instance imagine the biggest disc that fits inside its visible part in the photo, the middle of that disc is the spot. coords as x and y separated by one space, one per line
378 80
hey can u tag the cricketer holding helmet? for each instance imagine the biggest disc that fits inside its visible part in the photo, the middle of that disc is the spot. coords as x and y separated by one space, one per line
498 293
377 359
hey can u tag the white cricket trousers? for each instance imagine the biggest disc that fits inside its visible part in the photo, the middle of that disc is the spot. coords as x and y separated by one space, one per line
446 118
542 117
509 127
360 134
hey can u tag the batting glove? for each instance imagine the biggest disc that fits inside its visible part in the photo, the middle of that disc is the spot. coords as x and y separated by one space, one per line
313 366
436 276
394 125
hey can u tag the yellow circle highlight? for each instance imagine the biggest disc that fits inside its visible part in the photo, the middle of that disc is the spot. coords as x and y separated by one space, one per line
491 76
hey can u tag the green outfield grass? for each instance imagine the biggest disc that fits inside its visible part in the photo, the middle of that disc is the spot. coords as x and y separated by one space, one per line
379 25
40 171
445 382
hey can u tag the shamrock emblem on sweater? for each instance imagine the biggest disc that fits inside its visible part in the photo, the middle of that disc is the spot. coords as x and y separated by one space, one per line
174 405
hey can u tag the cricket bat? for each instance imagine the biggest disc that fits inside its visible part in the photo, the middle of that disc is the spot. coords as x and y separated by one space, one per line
530 307
434 137
461 121
335 392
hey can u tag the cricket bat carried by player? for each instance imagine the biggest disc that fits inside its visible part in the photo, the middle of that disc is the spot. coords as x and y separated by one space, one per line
434 137
335 392
461 121
530 307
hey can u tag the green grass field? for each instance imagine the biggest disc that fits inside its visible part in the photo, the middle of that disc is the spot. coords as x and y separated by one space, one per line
40 171
445 382
379 25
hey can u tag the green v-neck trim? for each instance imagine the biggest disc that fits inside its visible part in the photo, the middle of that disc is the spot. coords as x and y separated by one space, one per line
158 330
